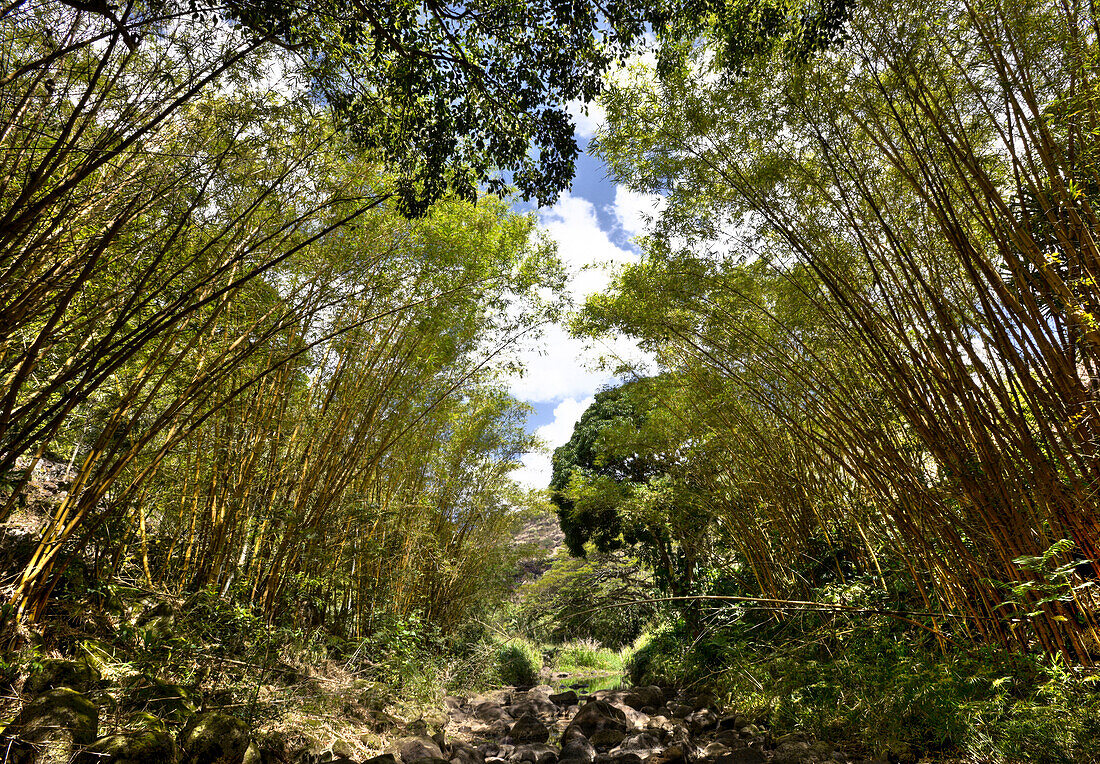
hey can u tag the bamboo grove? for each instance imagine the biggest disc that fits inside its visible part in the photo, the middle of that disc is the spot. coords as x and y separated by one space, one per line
257 376
873 285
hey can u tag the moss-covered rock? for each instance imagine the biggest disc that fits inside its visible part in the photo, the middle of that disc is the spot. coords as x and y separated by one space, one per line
157 697
214 738
76 675
137 747
51 728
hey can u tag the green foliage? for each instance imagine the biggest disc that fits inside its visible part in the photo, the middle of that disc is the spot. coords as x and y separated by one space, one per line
597 597
518 661
877 683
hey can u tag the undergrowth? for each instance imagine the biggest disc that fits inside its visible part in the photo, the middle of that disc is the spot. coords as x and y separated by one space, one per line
874 683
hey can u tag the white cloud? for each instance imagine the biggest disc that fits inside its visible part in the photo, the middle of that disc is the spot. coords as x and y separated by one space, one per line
565 369
537 467
583 245
586 123
562 366
633 210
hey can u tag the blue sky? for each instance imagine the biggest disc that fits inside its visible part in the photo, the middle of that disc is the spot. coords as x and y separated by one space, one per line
592 225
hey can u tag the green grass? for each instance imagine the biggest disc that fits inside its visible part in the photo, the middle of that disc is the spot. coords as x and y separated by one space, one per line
587 654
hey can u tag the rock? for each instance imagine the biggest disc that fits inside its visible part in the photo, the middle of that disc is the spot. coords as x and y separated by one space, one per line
731 722
626 758
897 751
640 698
51 728
578 747
534 706
537 753
597 715
728 738
678 710
564 699
212 737
606 738
489 711
385 758
132 748
453 702
714 750
165 700
700 700
640 742
76 675
418 748
528 729
743 756
461 753
703 719
674 754
158 622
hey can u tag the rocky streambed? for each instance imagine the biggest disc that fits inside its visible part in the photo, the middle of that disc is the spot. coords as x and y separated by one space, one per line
60 724
643 725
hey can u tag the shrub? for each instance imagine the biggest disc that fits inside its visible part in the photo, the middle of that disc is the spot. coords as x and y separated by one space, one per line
587 653
518 662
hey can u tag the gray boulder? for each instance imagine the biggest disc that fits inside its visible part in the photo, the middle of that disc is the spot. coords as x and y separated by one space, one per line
385 758
640 743
535 706
418 748
565 699
577 747
528 729
598 715
163 699
214 738
606 738
701 720
462 753
641 698
489 711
